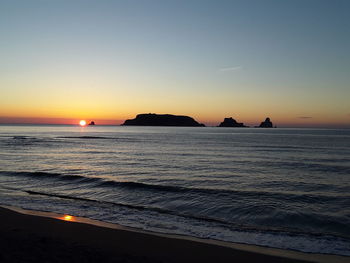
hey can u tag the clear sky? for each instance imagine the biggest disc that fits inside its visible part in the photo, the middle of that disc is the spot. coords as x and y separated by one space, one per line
64 60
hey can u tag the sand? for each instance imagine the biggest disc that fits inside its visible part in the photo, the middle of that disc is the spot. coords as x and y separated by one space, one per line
34 238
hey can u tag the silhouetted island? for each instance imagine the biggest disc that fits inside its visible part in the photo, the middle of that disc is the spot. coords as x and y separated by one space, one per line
153 119
230 122
92 123
266 124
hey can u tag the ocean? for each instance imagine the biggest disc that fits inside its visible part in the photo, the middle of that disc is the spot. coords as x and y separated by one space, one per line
281 188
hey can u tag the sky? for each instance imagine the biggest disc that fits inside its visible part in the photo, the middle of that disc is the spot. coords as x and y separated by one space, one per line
103 60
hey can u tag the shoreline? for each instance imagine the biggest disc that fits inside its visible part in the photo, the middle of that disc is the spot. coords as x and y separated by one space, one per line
114 242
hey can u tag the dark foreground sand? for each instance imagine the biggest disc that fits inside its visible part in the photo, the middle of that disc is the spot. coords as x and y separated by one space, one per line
28 238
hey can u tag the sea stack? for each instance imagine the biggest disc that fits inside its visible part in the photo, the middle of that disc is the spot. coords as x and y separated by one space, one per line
152 119
92 123
266 124
230 122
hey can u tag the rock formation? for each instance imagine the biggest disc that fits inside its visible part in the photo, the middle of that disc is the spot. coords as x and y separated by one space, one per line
92 123
230 122
266 124
153 119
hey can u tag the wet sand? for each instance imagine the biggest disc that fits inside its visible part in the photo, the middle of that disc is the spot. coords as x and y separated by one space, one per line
35 238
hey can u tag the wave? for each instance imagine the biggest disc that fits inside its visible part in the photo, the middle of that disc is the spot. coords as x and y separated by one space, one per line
101 182
124 139
274 219
137 207
244 193
315 165
28 138
25 141
207 219
205 228
21 137
56 176
282 147
86 137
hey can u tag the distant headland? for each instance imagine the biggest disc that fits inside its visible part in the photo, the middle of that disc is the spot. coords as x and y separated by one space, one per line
266 124
152 119
230 122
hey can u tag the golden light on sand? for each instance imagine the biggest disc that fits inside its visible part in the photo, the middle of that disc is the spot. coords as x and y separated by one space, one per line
82 123
67 218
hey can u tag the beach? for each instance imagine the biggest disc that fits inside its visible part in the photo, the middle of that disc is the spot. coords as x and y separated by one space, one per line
29 238
175 131
285 189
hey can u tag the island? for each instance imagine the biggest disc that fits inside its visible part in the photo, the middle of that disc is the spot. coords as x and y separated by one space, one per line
230 122
92 123
152 119
266 124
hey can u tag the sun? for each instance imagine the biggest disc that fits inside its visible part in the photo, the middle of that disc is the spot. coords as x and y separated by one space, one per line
82 123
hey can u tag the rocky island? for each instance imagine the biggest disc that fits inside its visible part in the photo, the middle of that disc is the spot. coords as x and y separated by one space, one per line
152 119
266 124
230 122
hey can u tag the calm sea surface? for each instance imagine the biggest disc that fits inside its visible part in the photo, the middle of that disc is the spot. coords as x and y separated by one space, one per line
284 188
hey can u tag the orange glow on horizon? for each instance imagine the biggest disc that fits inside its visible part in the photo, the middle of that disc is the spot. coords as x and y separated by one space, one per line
57 120
280 119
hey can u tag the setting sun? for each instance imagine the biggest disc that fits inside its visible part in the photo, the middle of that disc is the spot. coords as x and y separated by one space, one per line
82 123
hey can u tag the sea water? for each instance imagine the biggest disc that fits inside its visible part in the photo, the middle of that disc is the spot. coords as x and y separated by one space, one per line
282 188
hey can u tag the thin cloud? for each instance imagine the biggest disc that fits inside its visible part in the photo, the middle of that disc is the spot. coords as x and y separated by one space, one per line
230 69
305 117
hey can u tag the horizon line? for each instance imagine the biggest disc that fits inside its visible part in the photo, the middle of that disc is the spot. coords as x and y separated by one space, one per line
288 123
283 126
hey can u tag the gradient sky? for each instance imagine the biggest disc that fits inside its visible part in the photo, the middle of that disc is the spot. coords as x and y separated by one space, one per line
110 60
